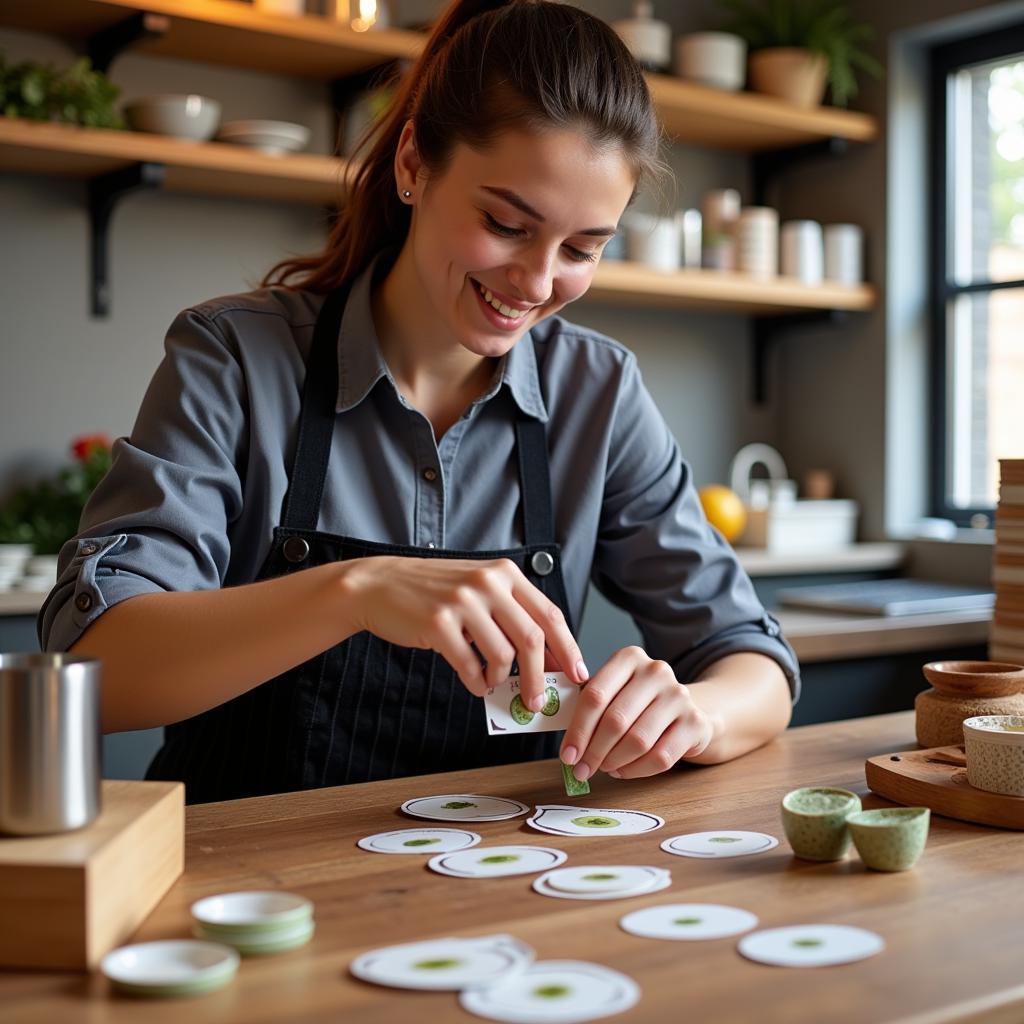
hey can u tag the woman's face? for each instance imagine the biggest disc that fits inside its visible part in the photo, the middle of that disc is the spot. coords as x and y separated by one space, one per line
505 237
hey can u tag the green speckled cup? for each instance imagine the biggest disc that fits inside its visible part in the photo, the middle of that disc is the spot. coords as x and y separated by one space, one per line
814 820
890 838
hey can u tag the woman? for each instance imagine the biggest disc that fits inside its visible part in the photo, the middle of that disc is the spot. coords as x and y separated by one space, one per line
356 496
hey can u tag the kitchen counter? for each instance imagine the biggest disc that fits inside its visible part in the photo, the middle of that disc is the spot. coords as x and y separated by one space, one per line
951 925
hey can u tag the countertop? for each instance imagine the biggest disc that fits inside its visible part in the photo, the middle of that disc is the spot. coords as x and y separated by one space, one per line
951 925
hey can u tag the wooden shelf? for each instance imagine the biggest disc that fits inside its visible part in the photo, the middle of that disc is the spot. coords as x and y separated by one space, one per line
225 32
233 33
747 121
209 168
634 284
865 557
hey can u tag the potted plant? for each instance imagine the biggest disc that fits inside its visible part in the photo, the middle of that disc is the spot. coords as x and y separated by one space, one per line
46 514
38 92
797 47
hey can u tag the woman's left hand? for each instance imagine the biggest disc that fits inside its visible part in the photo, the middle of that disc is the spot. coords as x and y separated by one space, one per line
634 719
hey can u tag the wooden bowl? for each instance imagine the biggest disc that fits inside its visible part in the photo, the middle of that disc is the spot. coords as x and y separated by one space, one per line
975 678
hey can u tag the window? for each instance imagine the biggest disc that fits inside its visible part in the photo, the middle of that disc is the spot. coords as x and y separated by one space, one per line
978 269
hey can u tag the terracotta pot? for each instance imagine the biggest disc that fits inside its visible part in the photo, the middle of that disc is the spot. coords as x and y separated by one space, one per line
795 75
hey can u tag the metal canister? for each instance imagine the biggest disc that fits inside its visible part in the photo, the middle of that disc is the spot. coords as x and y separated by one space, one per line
50 743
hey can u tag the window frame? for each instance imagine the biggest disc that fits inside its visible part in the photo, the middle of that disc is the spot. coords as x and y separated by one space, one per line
943 60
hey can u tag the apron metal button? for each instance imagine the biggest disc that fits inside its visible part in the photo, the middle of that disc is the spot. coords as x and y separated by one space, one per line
542 563
295 549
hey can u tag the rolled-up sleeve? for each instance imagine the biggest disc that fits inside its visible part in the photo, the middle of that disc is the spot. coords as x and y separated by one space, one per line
659 559
159 519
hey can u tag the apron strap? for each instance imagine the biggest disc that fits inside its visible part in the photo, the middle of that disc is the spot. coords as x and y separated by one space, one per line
316 420
534 479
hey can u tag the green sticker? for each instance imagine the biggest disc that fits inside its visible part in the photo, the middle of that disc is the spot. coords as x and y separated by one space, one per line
551 702
599 877
808 943
420 842
724 839
596 821
458 805
552 991
520 713
499 858
437 965
573 786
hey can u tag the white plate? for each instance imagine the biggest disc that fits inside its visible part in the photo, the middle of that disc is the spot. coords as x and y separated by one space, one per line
565 820
174 963
270 136
555 992
600 878
497 861
444 964
260 911
419 840
688 921
660 879
810 945
464 807
723 843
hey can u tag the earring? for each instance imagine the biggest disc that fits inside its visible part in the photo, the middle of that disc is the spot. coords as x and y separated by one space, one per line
406 194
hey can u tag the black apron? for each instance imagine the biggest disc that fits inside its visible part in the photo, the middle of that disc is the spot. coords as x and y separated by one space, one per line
364 709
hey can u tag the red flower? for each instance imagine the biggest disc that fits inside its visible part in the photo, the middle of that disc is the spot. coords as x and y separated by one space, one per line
82 447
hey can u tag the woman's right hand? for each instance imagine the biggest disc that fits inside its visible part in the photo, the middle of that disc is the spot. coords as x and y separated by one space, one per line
448 605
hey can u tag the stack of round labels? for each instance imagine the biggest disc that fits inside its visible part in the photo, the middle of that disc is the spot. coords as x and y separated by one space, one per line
602 881
255 922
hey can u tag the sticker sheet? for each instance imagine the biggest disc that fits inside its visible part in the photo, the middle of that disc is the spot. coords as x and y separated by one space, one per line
507 715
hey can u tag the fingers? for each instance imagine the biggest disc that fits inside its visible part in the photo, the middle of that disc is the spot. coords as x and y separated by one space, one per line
527 639
560 641
675 743
642 736
451 643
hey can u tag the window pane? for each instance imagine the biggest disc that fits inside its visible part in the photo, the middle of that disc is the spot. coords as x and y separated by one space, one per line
984 392
987 172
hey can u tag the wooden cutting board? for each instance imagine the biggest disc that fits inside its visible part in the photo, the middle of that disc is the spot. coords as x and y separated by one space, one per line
937 778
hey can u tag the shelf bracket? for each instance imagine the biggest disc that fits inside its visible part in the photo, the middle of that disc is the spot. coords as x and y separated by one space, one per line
769 165
766 333
110 43
104 194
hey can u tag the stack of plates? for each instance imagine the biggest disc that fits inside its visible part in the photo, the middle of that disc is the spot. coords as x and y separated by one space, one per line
255 922
178 967
275 137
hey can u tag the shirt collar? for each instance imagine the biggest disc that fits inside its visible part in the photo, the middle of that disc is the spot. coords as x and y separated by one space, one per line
361 366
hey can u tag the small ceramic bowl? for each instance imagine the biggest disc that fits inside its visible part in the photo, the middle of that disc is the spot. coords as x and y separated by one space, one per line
975 678
185 117
994 745
814 820
177 967
890 838
251 913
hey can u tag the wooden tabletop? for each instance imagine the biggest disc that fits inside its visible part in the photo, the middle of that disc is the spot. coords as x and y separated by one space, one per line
952 925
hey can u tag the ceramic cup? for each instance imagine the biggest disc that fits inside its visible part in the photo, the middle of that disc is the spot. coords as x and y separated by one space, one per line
890 838
814 820
994 745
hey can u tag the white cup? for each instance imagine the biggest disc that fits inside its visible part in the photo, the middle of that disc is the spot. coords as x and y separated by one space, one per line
803 251
716 59
654 241
758 241
844 253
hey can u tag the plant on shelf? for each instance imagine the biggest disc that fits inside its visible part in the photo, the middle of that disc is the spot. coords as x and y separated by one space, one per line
38 92
799 46
46 514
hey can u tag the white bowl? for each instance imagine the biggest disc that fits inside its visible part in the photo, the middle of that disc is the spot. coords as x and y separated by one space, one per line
715 59
254 911
173 967
269 136
184 117
994 745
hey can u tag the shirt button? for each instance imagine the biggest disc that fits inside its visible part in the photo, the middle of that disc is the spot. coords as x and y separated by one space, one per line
89 549
430 474
83 602
542 563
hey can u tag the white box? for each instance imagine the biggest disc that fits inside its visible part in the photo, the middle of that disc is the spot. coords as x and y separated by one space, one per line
799 526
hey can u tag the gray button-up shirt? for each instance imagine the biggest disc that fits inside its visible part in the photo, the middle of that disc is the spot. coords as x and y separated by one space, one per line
196 490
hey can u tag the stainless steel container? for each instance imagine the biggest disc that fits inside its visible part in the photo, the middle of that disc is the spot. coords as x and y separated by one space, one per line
50 742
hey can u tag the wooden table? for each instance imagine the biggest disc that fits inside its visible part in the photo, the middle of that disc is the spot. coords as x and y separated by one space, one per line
953 925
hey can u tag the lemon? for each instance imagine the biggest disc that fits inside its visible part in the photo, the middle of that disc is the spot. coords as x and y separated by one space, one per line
724 510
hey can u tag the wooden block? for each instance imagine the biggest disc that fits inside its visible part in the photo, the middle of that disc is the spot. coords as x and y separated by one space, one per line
936 778
66 900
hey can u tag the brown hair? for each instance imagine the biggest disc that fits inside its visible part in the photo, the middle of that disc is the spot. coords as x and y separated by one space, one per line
488 65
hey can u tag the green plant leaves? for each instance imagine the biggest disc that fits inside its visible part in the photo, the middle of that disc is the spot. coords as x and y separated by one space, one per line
39 92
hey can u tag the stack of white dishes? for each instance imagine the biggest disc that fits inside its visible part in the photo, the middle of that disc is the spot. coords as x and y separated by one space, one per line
255 922
177 967
13 559
274 137
39 574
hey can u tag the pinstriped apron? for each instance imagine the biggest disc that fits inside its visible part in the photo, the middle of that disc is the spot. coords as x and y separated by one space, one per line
364 709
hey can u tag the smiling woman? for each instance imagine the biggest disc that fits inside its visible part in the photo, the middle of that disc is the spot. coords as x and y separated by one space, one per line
356 496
